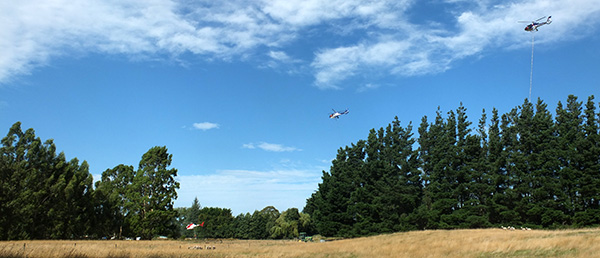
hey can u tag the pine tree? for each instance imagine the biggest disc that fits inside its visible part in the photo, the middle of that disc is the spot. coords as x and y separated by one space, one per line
445 175
508 171
570 147
589 148
364 207
545 170
409 183
519 165
390 186
330 206
499 204
479 177
218 223
425 217
187 216
242 224
436 144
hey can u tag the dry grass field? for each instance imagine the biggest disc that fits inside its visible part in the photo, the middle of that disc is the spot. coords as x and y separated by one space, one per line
435 243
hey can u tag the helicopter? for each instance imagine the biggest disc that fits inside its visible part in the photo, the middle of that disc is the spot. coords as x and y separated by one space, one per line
534 25
337 114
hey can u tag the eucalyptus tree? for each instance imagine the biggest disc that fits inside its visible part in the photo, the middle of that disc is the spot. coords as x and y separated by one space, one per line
152 194
42 194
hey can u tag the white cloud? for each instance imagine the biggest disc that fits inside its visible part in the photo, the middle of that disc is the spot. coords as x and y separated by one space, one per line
303 13
415 49
34 32
205 126
248 190
270 147
341 63
383 36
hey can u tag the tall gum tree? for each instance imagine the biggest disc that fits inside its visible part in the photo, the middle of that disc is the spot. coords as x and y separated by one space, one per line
152 194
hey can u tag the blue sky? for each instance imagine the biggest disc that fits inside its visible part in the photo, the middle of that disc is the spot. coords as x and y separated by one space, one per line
240 91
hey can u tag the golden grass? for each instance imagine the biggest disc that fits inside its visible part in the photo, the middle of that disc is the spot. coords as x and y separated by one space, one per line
431 243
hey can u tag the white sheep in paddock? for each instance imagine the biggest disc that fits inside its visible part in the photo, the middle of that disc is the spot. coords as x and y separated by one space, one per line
207 247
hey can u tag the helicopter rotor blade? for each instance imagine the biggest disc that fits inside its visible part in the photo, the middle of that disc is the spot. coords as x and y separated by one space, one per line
541 18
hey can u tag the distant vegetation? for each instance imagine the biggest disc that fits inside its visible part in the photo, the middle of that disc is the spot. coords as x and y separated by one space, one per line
267 223
523 168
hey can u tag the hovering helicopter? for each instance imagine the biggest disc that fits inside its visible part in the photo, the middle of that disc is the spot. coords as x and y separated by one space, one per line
534 25
337 114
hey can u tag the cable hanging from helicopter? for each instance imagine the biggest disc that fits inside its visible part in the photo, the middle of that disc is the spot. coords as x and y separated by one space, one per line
533 27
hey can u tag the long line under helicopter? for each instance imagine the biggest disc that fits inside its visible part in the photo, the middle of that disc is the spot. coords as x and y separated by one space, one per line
533 27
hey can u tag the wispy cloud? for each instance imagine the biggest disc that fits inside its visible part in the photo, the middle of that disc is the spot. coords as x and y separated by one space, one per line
279 56
280 60
270 147
205 126
368 36
367 87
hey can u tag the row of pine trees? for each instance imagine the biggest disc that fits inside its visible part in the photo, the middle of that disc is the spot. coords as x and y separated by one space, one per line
523 168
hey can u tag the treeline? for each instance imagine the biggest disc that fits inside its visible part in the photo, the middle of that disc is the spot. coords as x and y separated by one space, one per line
522 168
44 196
267 223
